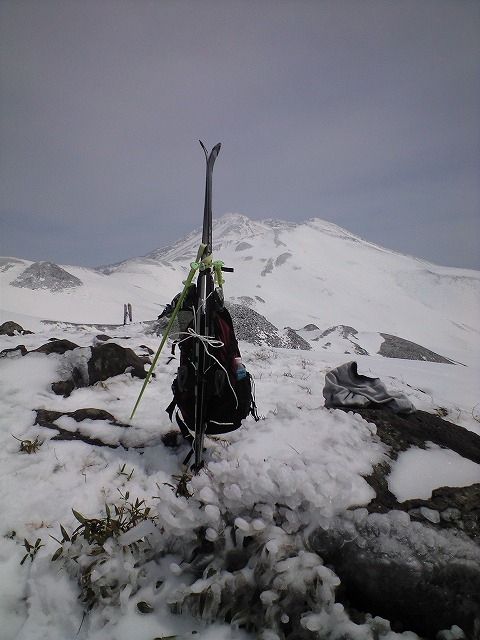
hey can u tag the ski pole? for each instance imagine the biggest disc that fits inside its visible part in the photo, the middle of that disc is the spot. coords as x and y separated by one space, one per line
193 269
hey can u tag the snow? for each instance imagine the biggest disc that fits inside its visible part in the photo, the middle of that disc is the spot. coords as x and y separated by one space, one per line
300 467
418 471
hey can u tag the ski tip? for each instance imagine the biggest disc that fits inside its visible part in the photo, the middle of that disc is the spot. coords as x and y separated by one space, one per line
215 151
204 150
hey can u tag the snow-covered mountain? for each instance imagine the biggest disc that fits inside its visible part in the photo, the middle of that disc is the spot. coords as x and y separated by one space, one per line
297 275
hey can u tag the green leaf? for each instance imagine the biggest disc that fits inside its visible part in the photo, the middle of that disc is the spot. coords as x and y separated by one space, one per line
65 535
96 551
57 554
79 516
241 617
144 607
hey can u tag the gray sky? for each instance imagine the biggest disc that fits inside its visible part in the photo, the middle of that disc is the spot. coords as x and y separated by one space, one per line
365 113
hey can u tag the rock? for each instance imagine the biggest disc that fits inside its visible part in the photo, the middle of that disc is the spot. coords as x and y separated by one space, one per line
147 349
111 359
56 346
415 562
21 350
422 580
390 347
310 327
416 429
395 347
46 275
100 339
88 365
11 328
63 387
346 333
249 326
256 329
45 415
47 418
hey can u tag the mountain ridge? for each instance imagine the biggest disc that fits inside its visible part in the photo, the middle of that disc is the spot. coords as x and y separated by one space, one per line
294 274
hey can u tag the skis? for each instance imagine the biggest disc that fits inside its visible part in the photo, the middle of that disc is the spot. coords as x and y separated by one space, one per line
203 315
207 270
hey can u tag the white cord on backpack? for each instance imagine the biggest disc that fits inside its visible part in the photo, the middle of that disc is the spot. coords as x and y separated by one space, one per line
216 344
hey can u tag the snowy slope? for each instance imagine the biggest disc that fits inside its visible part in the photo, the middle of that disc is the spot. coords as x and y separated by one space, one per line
294 274
300 454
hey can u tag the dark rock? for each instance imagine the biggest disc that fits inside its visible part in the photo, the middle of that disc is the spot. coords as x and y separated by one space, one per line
11 328
416 429
56 346
147 349
46 275
256 329
94 414
111 359
344 330
104 361
296 341
415 562
396 569
346 333
249 326
391 347
395 347
46 415
458 508
21 350
242 246
172 439
310 327
47 418
400 433
63 387
102 337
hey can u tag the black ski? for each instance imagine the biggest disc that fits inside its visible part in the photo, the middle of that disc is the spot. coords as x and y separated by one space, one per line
203 316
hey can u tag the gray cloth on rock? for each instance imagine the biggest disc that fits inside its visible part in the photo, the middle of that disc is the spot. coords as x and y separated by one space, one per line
345 387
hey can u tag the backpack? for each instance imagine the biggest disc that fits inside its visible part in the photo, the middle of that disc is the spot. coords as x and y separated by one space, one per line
229 387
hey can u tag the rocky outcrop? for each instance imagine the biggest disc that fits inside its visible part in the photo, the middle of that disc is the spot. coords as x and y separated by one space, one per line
417 562
256 329
85 366
389 346
47 418
11 328
421 579
56 346
251 327
46 275
395 347
111 359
